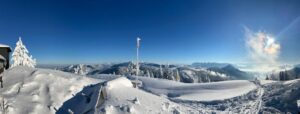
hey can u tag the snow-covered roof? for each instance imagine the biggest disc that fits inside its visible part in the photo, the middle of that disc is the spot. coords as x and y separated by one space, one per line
5 46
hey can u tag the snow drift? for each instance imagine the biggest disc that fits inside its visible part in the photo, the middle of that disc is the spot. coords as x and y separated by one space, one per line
38 91
198 91
122 98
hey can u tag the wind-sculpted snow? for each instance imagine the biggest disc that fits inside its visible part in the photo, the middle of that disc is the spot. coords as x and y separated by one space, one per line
84 102
198 92
122 98
281 97
37 91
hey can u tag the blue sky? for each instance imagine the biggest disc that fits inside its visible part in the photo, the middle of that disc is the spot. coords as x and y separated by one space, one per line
174 31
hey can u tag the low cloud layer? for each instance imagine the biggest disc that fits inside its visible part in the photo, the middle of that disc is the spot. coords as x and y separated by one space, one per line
263 48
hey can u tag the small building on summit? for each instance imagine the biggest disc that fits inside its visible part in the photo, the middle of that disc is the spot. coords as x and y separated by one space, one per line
4 57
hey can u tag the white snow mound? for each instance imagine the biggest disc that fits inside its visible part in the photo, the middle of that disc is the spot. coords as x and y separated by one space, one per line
39 91
198 91
122 98
122 81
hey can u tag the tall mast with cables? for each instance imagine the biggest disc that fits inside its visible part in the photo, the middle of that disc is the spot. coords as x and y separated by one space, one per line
137 56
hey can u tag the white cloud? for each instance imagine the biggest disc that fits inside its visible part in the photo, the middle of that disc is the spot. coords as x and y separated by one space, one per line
263 49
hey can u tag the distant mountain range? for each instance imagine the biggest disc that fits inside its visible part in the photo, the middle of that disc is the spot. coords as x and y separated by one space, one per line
233 72
195 73
209 65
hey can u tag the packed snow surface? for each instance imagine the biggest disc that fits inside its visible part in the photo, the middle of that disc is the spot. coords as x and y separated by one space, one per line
119 82
265 82
198 91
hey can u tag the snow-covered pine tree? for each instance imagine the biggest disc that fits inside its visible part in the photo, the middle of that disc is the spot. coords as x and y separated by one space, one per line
151 74
76 70
208 78
199 79
170 74
81 69
267 77
20 56
130 68
148 74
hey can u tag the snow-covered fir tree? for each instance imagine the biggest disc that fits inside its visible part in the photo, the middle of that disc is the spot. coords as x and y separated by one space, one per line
161 71
170 74
267 77
21 57
76 70
80 70
148 74
207 78
151 75
199 80
130 68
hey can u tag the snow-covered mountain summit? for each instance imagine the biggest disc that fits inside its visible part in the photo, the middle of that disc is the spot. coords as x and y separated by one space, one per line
41 91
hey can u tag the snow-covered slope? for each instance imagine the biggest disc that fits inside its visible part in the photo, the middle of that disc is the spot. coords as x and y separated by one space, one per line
120 98
167 97
198 91
123 98
39 91
281 97
228 97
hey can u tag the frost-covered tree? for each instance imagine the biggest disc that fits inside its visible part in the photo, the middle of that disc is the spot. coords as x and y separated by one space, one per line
267 77
171 74
161 71
208 78
79 69
167 65
151 75
76 70
130 68
21 57
148 74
